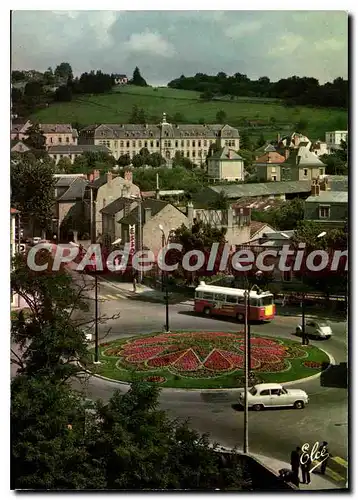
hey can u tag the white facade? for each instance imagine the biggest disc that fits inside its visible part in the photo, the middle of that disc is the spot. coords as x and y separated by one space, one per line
333 139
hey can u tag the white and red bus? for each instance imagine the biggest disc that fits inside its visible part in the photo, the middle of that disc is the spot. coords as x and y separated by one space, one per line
225 301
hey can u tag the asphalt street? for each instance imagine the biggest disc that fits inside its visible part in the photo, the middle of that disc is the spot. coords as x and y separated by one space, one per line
271 432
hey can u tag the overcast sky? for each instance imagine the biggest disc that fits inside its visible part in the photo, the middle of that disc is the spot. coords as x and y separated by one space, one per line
167 44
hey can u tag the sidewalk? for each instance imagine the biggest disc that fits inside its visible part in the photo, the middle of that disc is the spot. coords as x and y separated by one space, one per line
145 293
318 482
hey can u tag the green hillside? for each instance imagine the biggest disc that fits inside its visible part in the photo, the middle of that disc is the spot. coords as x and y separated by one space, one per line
116 107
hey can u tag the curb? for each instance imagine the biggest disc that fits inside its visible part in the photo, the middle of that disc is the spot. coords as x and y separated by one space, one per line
230 389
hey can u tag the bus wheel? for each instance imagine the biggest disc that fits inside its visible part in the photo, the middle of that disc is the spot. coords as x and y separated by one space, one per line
207 311
240 317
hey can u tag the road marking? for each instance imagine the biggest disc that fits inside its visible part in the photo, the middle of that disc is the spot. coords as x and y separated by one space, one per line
340 461
111 297
121 296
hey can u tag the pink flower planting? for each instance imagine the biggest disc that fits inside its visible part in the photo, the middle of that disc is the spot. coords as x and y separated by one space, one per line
189 361
216 361
202 354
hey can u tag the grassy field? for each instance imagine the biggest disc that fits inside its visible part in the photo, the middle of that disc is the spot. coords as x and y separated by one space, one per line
116 107
111 367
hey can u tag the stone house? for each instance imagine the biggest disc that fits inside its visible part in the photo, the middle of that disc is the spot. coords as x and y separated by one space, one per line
111 215
226 165
72 207
55 134
108 188
302 165
192 141
329 208
268 165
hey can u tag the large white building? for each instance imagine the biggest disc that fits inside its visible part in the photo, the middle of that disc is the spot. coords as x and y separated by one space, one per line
192 141
333 139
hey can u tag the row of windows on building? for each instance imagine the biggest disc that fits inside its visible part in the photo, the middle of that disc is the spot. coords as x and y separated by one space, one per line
167 143
187 154
59 140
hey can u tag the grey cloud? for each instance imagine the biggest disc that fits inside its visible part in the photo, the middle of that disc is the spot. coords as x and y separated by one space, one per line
166 44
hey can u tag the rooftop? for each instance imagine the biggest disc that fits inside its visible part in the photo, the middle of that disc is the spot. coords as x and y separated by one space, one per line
155 206
262 188
225 153
117 205
329 197
75 191
78 149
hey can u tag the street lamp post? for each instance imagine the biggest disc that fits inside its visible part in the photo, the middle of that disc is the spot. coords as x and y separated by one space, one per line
247 360
165 241
303 305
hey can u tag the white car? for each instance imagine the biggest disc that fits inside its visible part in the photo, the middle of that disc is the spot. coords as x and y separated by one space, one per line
262 396
315 329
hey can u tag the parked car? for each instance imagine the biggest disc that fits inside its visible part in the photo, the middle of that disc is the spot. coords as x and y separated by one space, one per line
315 329
262 396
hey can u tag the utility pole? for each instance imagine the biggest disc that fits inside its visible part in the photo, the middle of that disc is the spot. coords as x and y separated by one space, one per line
246 370
96 360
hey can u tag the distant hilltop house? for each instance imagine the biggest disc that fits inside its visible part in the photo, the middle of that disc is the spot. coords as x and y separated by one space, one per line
120 79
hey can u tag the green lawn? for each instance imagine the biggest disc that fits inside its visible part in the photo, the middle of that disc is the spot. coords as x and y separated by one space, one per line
116 107
296 368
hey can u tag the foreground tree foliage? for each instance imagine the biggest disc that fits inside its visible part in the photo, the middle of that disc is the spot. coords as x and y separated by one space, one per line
33 189
57 443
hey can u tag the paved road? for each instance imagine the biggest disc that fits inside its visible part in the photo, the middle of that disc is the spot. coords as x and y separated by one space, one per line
272 432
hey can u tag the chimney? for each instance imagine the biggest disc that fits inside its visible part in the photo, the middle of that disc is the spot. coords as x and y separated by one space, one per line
128 175
190 213
96 174
278 138
268 158
287 153
148 214
109 177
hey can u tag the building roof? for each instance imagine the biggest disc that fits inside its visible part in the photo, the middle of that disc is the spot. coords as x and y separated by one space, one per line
76 188
155 206
338 182
256 226
19 147
267 157
266 148
225 153
56 128
78 149
329 197
262 189
260 204
307 157
116 205
128 131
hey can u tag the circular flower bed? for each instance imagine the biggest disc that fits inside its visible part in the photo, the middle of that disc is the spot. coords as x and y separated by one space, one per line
203 354
312 364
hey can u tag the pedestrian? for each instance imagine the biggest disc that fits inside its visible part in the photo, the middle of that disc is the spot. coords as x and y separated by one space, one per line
295 461
324 449
305 468
134 283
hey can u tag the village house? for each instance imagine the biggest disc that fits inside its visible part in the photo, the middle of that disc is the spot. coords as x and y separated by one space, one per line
55 134
108 188
72 206
225 165
334 138
302 165
191 141
268 165
326 207
120 79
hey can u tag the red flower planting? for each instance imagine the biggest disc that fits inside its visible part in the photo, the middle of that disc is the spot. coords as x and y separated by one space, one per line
312 364
155 378
202 354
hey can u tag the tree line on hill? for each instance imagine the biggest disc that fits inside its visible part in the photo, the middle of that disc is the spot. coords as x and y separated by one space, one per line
40 89
294 90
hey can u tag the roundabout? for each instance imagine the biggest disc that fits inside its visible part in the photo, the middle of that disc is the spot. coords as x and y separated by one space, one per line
206 359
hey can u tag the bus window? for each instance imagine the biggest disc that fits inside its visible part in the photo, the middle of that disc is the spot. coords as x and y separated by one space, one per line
207 296
241 300
220 297
266 301
232 299
198 295
254 302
